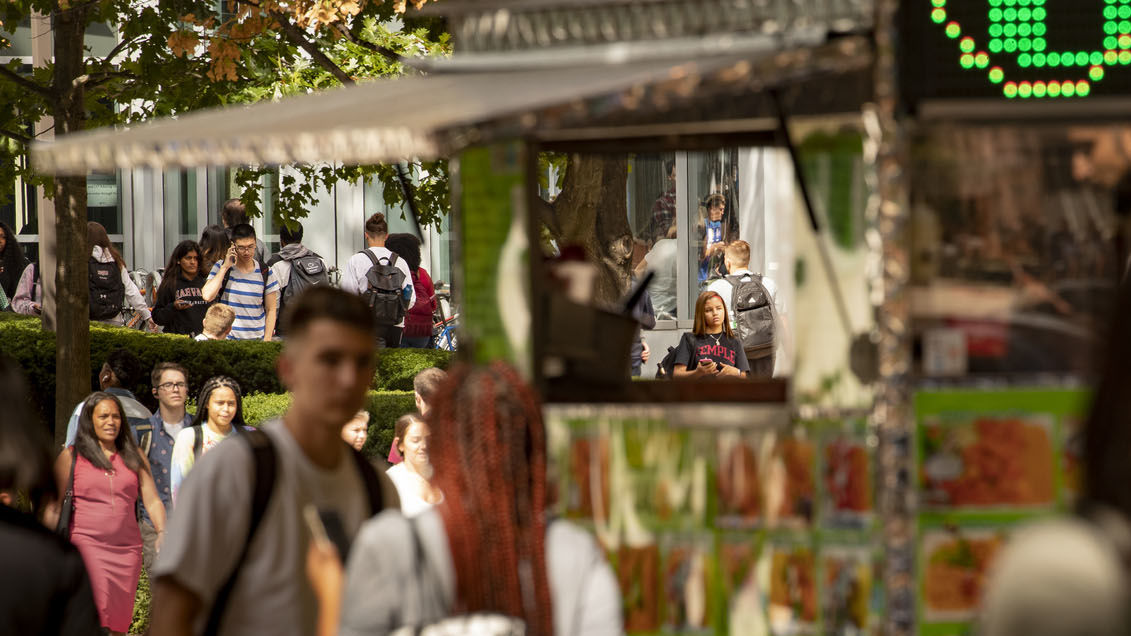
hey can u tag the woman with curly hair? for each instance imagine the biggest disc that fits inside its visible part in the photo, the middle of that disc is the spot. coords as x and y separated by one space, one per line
489 547
106 474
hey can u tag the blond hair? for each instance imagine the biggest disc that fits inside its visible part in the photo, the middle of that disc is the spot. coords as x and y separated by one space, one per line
218 319
739 253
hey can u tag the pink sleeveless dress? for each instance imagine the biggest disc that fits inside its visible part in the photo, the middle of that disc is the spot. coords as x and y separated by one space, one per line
105 531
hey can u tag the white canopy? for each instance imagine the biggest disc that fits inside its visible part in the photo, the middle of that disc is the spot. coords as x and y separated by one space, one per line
410 117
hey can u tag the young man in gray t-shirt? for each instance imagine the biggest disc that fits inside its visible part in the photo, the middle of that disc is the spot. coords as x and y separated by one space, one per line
327 363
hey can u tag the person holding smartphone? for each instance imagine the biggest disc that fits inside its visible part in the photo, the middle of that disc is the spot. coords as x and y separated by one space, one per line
711 350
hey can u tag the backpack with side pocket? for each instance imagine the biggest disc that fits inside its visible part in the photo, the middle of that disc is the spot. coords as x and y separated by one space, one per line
666 368
265 462
383 293
306 271
753 314
107 291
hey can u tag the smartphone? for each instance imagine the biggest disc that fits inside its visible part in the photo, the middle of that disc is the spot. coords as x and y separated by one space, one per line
326 528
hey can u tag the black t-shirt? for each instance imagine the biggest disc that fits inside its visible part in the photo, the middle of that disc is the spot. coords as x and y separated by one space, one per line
717 347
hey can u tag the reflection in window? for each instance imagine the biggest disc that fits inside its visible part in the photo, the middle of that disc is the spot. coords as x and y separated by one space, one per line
652 215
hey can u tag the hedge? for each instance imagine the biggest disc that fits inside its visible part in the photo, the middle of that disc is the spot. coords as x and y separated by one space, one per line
251 363
384 408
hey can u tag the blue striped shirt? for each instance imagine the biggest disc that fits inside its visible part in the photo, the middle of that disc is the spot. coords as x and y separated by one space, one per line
244 294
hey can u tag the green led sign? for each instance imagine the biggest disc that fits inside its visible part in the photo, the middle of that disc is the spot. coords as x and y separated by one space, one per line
1015 49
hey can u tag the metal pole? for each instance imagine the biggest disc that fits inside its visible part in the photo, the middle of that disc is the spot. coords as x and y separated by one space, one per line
42 52
888 236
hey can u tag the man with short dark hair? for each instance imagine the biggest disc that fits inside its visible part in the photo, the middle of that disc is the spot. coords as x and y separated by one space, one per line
223 566
169 382
235 213
736 259
354 280
312 269
247 285
119 373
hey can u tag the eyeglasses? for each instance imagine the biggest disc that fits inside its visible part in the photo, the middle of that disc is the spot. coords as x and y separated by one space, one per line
169 386
245 248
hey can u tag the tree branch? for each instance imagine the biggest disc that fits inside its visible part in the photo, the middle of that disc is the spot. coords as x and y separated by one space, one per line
93 80
109 59
23 139
388 53
295 35
38 89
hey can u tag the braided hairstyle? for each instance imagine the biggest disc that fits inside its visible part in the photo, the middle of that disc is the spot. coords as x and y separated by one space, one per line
489 447
213 383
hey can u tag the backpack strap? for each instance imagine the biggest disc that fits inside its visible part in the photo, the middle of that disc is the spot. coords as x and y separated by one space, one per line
371 255
371 481
197 442
275 258
264 461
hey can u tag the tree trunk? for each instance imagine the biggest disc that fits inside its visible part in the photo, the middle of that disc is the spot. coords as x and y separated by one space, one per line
591 211
72 326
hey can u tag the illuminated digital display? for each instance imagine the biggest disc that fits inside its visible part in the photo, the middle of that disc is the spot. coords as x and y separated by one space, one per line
1016 49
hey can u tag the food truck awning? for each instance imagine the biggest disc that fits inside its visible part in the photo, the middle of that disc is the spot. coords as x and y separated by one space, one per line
435 115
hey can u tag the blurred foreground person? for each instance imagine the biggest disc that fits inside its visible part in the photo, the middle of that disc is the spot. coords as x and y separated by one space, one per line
234 557
45 589
1072 575
488 549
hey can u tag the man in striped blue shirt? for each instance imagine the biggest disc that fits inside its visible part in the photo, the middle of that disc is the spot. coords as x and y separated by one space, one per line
247 286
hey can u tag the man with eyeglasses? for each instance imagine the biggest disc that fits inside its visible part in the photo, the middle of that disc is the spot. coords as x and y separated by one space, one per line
248 286
155 438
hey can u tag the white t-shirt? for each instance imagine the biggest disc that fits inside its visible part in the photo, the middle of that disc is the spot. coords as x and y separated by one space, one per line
384 582
205 537
408 486
661 259
358 266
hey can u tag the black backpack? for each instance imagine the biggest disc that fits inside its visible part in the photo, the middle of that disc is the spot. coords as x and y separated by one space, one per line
306 271
666 367
382 293
753 314
107 291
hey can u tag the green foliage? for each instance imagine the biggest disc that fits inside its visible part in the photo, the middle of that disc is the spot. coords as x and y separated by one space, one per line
142 602
252 364
829 162
384 408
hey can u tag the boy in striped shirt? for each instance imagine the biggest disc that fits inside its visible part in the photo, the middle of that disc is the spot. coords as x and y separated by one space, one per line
247 286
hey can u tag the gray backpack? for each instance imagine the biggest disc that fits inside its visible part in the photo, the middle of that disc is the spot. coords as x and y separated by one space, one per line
753 314
384 282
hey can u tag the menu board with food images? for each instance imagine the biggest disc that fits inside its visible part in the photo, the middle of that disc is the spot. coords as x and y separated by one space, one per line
987 461
752 531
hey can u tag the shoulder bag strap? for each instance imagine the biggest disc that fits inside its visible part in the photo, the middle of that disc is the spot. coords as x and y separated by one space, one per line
264 460
67 506
371 481
197 442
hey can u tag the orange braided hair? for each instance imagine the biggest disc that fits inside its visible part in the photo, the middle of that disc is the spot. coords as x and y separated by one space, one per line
489 450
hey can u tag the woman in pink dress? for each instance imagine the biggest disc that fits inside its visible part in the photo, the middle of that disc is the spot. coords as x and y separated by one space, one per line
110 473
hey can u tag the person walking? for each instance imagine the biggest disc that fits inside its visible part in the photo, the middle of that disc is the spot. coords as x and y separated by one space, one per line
418 319
233 560
425 385
295 267
120 372
45 589
247 285
110 282
12 261
156 438
413 477
489 548
180 305
235 213
107 475
219 415
761 324
389 305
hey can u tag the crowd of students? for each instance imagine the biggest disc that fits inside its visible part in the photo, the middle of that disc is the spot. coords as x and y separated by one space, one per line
225 529
227 267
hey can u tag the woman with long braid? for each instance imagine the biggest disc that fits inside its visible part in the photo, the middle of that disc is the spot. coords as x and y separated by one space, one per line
489 547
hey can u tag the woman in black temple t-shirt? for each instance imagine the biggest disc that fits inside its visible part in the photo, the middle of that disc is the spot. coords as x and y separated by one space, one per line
710 350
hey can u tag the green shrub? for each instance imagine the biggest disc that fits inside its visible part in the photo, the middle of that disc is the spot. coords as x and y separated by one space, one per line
384 408
142 598
250 363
